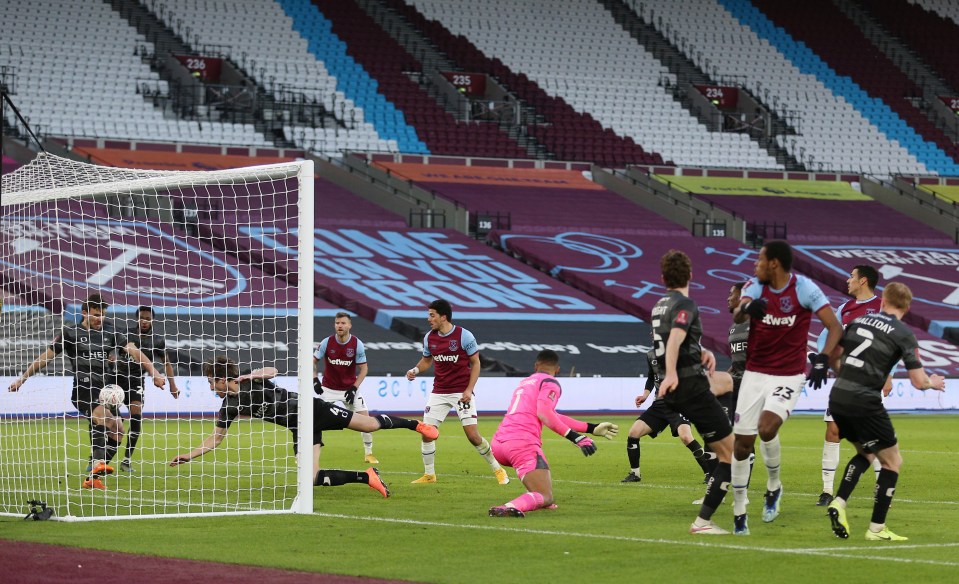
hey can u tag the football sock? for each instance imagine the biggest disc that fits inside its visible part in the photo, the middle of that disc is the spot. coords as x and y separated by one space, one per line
876 466
112 447
857 465
429 457
136 424
739 473
367 442
388 423
632 452
527 501
830 461
334 478
486 452
885 489
701 456
771 452
99 448
716 490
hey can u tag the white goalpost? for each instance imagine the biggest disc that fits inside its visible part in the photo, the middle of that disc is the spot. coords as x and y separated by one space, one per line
172 241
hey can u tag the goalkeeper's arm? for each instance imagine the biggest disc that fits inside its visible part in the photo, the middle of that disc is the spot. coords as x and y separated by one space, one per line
607 430
208 444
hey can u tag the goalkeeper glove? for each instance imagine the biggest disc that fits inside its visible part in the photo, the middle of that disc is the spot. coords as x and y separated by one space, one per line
607 430
585 443
756 308
350 395
317 386
820 366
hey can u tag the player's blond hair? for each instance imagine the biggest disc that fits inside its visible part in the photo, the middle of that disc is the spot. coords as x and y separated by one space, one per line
897 295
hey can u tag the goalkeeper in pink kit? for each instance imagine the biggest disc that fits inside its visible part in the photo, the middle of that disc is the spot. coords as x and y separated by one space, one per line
518 442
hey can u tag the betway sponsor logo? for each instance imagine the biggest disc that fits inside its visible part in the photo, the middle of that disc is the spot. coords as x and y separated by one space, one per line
779 320
446 358
345 362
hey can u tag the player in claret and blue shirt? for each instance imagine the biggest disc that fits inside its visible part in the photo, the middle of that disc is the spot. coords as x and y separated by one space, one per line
780 306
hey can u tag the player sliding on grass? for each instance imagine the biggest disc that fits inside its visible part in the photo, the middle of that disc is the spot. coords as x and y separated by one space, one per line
518 442
253 394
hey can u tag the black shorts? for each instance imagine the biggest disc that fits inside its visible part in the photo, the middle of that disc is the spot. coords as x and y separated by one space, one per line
132 387
86 393
659 415
728 403
873 431
327 416
698 405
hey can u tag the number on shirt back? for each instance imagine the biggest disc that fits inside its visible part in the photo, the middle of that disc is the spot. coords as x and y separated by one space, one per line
659 345
867 337
516 398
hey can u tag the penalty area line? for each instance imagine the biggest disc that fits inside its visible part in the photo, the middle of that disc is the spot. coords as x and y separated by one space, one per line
832 552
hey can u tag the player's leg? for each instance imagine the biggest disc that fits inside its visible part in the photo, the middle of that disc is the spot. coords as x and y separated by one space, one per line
830 460
335 478
781 399
720 383
749 406
134 400
533 470
366 424
107 434
713 424
468 418
438 406
881 434
639 429
706 460
359 406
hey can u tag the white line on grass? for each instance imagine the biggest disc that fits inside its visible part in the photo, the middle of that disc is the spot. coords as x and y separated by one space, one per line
826 552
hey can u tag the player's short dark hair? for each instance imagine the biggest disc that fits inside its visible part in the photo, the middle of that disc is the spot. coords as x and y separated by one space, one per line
548 357
869 273
146 308
94 302
443 308
739 286
221 367
345 315
778 249
677 269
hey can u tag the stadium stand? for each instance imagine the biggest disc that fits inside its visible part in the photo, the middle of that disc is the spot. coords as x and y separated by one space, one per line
616 82
78 76
745 46
827 31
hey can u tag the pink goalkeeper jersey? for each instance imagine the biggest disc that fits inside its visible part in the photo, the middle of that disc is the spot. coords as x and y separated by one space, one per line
521 421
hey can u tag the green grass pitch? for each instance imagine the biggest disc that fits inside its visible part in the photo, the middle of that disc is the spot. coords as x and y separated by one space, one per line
601 530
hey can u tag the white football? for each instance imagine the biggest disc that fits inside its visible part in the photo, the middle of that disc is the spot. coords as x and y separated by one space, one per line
111 395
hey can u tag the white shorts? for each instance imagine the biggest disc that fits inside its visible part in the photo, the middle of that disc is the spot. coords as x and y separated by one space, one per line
761 392
331 396
438 406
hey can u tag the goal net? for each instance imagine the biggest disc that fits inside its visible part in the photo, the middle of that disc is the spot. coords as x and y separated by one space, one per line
167 240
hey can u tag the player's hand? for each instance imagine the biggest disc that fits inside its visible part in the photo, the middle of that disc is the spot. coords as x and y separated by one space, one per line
467 397
17 383
937 382
174 390
180 459
411 374
159 380
669 383
607 430
317 386
586 444
642 398
350 395
755 308
709 361
820 367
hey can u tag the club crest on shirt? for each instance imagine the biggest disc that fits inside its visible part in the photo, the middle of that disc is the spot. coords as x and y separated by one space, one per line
786 304
350 352
454 345
682 317
552 395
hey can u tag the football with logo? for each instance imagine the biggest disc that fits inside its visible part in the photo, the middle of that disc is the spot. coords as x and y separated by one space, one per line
111 395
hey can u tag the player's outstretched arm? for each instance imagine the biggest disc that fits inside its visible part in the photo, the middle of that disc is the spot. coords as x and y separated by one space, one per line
423 365
922 381
259 374
158 379
33 368
208 444
171 376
